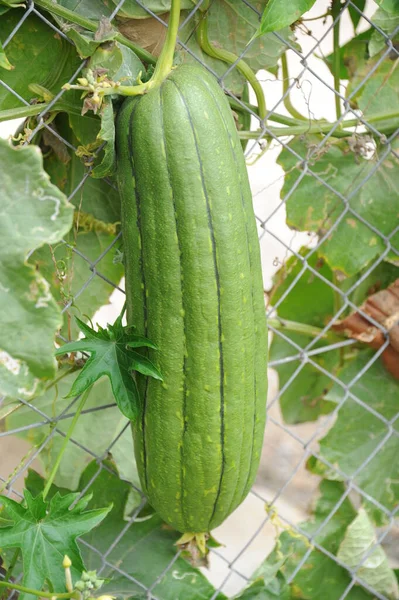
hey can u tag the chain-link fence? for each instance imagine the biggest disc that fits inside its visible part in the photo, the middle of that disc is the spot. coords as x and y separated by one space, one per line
305 439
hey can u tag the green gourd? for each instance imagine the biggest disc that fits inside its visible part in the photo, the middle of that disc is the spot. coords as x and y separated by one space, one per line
194 287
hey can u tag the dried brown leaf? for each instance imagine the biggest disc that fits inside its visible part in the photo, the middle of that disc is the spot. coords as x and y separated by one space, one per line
148 33
382 307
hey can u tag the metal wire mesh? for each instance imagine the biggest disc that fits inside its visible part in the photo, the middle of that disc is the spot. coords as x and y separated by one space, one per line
302 356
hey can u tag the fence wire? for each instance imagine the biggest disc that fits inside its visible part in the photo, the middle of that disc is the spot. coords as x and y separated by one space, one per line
301 356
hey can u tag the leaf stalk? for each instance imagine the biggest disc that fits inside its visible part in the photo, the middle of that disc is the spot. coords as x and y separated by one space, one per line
39 594
65 443
230 58
335 13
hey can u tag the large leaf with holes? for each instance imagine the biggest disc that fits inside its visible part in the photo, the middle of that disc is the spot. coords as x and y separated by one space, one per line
310 301
231 25
362 443
34 212
317 200
38 54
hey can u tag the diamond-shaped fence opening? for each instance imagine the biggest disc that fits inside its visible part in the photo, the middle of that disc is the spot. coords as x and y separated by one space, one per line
319 405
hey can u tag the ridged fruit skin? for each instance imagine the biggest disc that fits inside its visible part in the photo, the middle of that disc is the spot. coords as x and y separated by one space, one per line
194 287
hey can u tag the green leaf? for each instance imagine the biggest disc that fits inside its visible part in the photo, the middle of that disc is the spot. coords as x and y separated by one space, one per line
311 302
144 550
34 212
134 10
357 433
305 399
277 589
84 40
390 6
4 62
353 55
108 420
38 55
84 128
96 197
378 96
281 13
354 14
388 23
45 532
360 539
110 356
107 135
91 9
87 42
130 68
268 584
314 207
380 278
231 24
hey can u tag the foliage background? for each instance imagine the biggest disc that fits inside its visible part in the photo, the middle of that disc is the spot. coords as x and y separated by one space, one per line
344 391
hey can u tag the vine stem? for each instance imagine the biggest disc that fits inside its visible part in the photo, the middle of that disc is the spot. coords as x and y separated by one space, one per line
163 65
335 10
40 594
303 328
326 14
165 61
64 445
73 17
276 117
231 58
34 109
388 123
286 82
